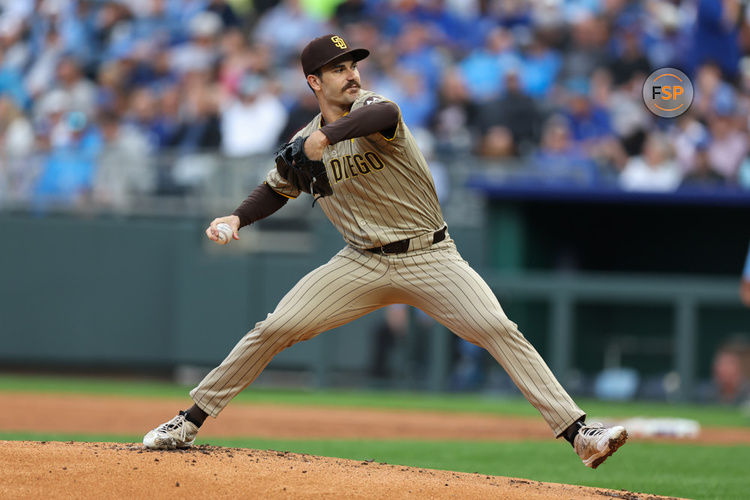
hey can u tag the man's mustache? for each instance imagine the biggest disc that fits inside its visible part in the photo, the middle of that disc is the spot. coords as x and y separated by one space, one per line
350 85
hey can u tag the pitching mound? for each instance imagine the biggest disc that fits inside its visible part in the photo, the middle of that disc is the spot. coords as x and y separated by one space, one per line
107 470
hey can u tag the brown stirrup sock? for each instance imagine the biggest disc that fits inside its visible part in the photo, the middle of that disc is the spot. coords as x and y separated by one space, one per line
196 415
570 433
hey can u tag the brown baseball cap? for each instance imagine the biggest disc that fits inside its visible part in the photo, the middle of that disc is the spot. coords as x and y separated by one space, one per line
325 49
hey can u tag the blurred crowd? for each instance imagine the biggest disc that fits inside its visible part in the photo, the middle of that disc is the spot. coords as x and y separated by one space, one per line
100 100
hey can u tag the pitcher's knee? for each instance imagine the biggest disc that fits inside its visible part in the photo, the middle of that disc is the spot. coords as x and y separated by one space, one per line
273 333
498 326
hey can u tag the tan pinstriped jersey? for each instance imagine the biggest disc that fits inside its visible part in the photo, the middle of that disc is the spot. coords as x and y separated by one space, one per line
382 187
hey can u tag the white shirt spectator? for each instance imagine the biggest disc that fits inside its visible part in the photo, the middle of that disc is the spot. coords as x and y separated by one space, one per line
640 176
655 170
298 28
252 122
726 152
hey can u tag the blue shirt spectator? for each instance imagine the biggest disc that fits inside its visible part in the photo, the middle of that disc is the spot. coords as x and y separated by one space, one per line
11 84
560 159
539 69
68 170
587 121
716 35
484 69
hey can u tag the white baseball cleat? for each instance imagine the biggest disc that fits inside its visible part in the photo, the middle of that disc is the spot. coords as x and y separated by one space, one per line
595 442
177 433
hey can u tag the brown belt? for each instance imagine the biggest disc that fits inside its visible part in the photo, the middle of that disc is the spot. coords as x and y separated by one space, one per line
402 246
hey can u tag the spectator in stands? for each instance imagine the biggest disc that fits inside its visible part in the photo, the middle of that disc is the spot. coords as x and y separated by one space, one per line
417 53
199 125
111 91
629 117
11 80
654 170
668 34
68 170
589 123
226 13
154 24
707 83
448 29
588 48
299 27
143 115
201 52
484 68
454 116
41 74
510 13
560 159
305 108
16 145
124 165
539 68
497 144
716 35
79 93
728 144
16 134
198 136
745 281
687 134
169 117
236 61
416 100
16 47
253 108
515 111
701 175
393 328
730 373
628 59
349 12
591 126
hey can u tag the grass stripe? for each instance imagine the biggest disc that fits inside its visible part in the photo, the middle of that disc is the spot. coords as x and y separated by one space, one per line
706 415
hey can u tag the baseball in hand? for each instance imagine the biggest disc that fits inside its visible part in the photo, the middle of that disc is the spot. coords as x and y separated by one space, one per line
225 233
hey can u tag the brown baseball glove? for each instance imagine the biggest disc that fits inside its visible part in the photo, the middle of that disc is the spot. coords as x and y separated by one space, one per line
300 171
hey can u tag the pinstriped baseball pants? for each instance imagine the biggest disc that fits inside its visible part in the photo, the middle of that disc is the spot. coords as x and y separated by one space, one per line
355 282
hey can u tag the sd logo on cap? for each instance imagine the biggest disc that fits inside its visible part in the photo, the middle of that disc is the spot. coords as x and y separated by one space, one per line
325 49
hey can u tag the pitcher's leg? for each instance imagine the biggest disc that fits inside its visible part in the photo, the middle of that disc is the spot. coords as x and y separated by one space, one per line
347 287
448 289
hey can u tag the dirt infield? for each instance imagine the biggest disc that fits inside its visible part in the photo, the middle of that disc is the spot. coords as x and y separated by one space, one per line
131 416
107 470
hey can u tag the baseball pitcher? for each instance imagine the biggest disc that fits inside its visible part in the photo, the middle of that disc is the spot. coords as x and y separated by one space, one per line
361 164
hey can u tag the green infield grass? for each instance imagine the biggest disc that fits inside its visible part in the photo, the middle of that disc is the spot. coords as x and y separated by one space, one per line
706 415
684 470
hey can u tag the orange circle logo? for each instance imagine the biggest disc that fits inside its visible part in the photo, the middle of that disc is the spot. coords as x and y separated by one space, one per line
668 92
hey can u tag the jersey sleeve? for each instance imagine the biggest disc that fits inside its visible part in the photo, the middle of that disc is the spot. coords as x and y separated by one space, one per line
386 135
280 185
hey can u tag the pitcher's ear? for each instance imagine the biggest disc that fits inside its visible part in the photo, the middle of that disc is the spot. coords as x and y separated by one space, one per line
313 81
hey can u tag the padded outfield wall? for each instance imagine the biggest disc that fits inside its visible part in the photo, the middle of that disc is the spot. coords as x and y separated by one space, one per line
151 293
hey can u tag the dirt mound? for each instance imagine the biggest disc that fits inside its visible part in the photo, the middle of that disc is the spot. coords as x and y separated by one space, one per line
107 470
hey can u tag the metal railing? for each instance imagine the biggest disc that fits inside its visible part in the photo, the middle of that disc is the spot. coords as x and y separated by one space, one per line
684 295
